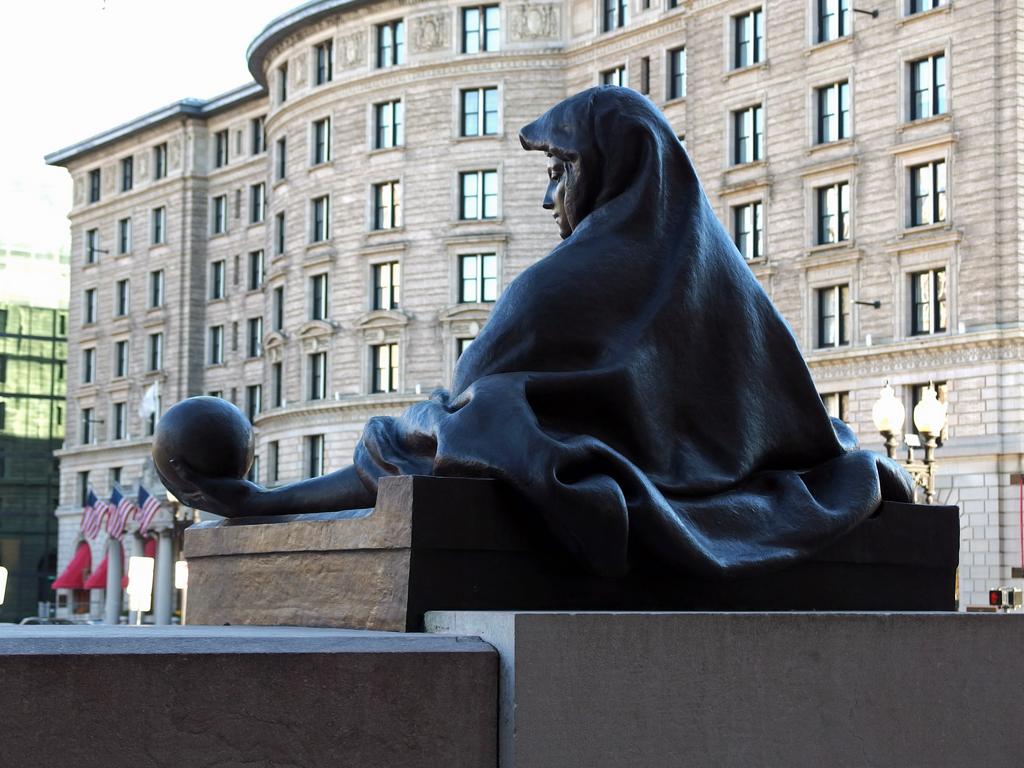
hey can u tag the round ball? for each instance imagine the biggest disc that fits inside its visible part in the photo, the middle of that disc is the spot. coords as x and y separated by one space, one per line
209 434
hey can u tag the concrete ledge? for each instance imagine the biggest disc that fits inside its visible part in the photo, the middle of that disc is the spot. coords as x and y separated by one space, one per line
618 690
244 696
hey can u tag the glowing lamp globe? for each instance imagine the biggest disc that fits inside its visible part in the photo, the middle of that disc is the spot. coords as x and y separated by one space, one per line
930 414
888 413
209 434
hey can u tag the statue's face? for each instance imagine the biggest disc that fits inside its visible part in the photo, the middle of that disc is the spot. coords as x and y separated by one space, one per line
558 197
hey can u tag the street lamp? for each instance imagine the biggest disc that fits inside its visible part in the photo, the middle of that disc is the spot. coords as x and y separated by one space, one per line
889 414
929 418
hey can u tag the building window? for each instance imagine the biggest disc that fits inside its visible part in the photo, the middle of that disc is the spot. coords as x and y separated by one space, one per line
86 430
919 6
833 19
323 58
833 112
94 185
615 14
89 365
928 302
833 316
837 404
127 172
257 203
321 141
391 44
748 230
480 112
159 161
928 193
277 381
645 75
273 461
928 87
614 76
122 297
156 289
318 376
479 198
156 351
253 400
158 218
833 213
278 308
282 158
121 358
461 345
279 233
282 83
388 118
315 455
387 205
478 277
124 236
216 345
234 343
320 219
217 276
256 266
255 346
748 38
677 73
92 245
386 285
318 297
385 368
220 156
481 29
748 134
89 306
220 214
120 417
258 135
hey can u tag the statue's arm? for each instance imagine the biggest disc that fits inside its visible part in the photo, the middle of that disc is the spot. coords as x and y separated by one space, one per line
230 497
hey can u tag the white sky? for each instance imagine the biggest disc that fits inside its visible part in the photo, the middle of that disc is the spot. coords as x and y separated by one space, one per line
73 68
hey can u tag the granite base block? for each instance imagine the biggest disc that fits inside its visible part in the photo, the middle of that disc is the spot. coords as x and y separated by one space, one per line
234 697
435 543
842 690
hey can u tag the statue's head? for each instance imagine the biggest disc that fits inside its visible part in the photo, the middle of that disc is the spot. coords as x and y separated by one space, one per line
595 142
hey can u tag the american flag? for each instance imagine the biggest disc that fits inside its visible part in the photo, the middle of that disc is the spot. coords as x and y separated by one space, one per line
92 515
148 507
124 510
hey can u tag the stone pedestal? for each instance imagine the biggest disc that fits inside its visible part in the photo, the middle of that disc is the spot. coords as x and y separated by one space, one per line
165 697
733 689
459 544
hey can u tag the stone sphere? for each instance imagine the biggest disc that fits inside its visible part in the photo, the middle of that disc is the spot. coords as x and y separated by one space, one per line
209 434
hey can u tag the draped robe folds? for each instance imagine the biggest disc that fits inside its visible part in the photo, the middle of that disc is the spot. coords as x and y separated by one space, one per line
636 387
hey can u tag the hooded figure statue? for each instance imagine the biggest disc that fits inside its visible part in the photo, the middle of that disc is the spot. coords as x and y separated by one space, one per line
635 387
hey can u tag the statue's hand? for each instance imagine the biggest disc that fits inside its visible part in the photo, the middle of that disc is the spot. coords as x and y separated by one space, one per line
224 496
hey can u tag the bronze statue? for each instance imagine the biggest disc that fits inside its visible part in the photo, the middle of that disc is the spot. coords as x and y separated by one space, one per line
635 388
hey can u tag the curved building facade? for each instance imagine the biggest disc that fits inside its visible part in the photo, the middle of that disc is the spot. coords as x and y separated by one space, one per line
318 245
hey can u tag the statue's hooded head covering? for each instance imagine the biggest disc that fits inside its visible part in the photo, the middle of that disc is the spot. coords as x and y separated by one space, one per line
636 386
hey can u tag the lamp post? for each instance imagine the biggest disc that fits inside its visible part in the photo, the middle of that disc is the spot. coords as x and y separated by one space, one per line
889 415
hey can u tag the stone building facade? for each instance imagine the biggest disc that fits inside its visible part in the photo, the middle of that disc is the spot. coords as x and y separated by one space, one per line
331 235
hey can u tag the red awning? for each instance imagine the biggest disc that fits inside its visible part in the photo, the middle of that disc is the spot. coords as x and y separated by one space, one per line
72 576
98 578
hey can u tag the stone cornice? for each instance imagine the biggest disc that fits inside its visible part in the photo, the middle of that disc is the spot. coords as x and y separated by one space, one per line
918 354
323 413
